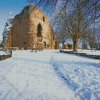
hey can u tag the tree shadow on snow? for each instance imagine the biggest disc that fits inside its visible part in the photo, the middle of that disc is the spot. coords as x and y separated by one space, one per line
83 92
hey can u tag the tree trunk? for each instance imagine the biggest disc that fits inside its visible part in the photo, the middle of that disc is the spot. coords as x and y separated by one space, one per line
75 43
63 44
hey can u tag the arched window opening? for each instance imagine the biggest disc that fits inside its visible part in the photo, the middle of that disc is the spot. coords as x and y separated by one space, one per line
39 29
43 19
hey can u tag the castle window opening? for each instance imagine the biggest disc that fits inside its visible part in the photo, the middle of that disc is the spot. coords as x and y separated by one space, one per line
39 29
24 42
43 19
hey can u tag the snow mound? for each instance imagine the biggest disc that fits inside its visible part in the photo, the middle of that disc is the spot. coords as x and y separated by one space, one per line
4 53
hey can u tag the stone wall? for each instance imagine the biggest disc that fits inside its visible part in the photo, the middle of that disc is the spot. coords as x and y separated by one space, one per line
20 36
31 28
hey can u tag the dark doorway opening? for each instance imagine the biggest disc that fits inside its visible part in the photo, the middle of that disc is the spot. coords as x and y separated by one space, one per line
44 44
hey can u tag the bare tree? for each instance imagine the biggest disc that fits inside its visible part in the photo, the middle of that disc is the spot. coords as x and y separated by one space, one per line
74 15
97 37
91 33
77 19
91 41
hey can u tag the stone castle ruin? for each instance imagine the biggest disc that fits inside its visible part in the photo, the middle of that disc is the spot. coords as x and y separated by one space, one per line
31 29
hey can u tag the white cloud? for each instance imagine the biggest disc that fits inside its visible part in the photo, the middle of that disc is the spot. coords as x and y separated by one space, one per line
11 12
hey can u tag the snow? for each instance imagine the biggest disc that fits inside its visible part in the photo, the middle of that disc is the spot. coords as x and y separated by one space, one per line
89 52
82 75
4 53
49 75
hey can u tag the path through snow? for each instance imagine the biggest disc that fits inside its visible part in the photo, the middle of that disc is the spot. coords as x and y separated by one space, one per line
49 75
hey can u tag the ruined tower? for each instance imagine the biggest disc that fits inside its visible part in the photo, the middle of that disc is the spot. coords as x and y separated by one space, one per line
31 28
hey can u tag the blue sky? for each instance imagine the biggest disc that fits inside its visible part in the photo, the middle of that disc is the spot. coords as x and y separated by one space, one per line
8 6
11 8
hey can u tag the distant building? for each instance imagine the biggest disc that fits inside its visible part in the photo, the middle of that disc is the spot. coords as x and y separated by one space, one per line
31 28
68 46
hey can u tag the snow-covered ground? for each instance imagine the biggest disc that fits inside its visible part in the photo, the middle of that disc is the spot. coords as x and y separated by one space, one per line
4 53
49 75
89 52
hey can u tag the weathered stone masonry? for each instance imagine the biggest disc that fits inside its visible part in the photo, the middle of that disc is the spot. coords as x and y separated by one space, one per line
31 28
